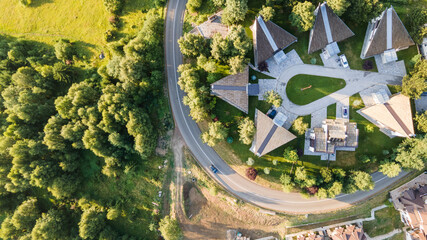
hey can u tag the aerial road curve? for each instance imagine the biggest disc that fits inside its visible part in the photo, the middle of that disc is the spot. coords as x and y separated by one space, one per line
226 176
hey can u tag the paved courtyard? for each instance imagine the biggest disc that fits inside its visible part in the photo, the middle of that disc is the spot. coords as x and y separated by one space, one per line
394 68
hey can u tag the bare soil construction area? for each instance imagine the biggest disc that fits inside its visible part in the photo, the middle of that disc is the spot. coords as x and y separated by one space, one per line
211 216
209 211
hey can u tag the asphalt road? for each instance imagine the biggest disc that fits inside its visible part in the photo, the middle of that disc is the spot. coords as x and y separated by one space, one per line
227 177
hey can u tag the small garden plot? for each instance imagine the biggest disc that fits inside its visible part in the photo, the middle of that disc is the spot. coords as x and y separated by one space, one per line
303 89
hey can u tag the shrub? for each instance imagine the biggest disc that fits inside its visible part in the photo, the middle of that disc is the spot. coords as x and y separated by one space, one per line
110 35
25 2
386 152
274 98
369 128
267 170
357 103
114 21
251 173
213 191
275 162
312 190
250 161
263 66
368 65
300 126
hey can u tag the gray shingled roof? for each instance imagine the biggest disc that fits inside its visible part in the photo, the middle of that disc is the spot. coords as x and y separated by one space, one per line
233 89
400 36
262 48
318 36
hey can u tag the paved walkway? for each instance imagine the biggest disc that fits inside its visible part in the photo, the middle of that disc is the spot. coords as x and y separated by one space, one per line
356 81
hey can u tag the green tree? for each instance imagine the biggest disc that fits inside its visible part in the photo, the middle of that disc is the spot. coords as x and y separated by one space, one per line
235 11
64 50
412 153
421 120
274 98
326 174
25 215
300 174
216 133
300 126
335 189
364 10
169 228
322 193
339 6
237 64
287 183
290 154
302 16
415 83
193 45
362 180
52 225
416 19
246 130
390 169
267 13
91 223
194 5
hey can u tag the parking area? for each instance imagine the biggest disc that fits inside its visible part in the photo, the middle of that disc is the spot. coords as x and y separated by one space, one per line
394 68
367 97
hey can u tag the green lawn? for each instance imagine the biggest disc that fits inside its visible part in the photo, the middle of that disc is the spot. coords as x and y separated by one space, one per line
386 220
47 20
332 111
320 87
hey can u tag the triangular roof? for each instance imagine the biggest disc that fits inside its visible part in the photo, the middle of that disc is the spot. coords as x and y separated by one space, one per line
263 48
268 135
388 32
395 114
327 28
232 89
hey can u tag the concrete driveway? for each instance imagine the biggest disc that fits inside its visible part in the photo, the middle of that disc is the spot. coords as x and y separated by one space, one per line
356 81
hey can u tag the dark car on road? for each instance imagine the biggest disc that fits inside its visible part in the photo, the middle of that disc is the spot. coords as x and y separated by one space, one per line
214 169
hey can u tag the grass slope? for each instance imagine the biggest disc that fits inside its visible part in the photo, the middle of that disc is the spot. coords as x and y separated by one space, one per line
320 87
47 20
386 220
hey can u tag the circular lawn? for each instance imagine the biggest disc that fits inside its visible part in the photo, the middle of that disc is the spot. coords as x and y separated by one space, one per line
303 89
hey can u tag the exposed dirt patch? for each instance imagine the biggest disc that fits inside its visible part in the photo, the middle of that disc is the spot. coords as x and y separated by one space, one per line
194 201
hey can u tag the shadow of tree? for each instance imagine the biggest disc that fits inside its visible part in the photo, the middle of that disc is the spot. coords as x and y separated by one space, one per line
38 3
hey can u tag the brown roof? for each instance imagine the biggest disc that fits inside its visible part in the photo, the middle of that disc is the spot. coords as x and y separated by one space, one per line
414 202
237 98
349 233
212 26
267 139
400 36
395 114
339 30
262 47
